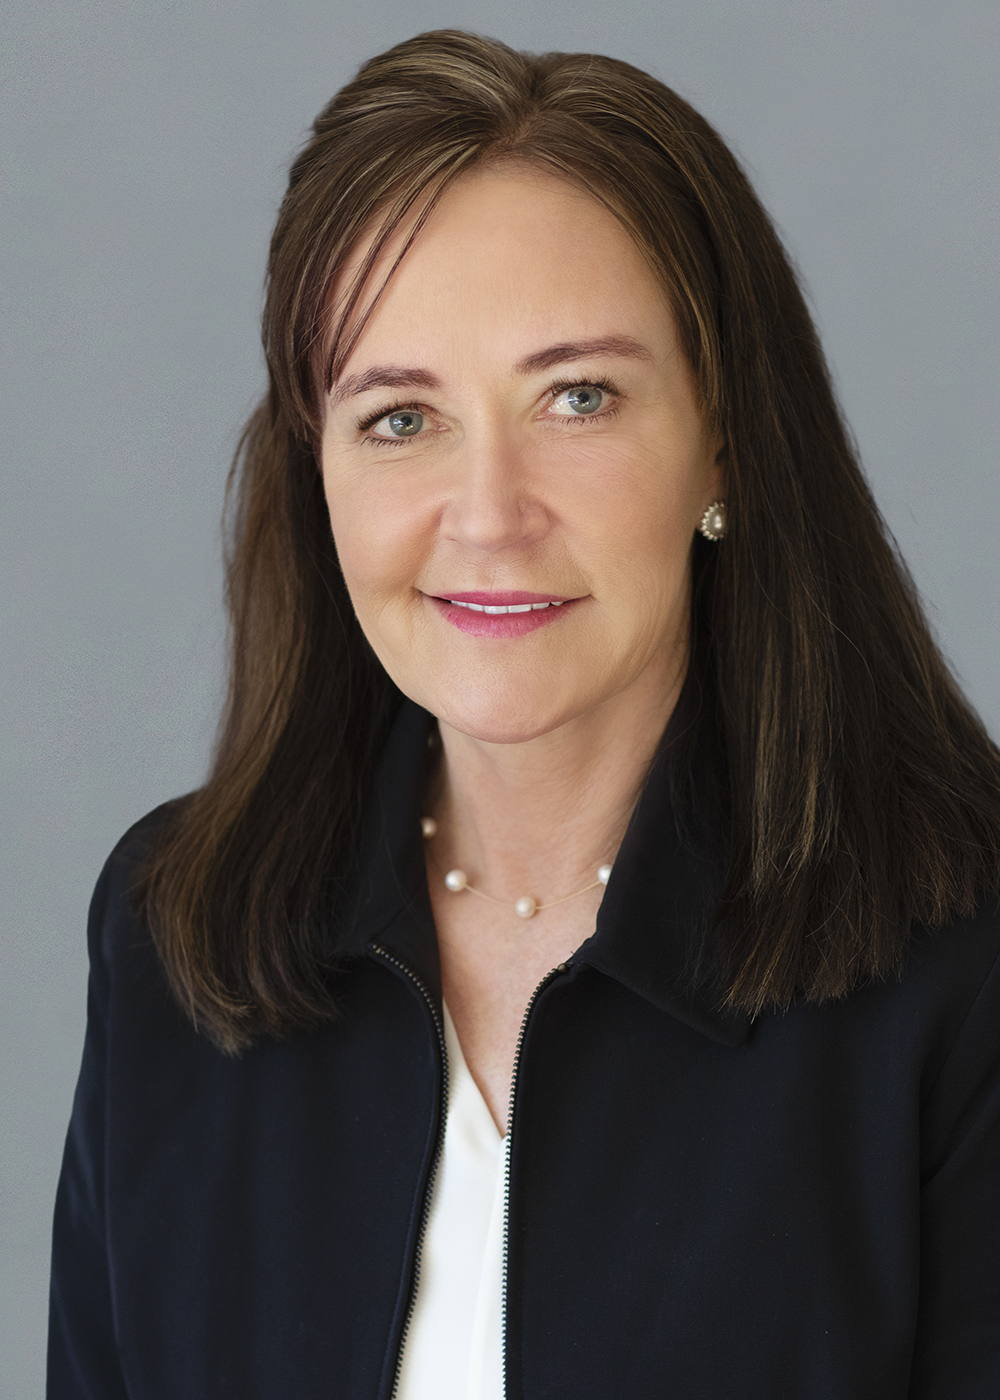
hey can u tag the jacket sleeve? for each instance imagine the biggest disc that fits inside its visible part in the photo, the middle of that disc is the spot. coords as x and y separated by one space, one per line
83 1360
957 1346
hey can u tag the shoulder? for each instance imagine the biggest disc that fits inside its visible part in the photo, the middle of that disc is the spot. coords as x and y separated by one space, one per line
960 959
948 997
948 971
114 918
935 1016
953 1007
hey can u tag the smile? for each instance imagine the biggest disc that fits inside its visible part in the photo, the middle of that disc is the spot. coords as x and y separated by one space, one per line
501 607
502 616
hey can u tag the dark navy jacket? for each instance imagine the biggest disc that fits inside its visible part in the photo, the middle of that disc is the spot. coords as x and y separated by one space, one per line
701 1208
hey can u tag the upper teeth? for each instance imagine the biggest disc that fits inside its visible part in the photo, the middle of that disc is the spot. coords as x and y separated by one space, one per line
505 607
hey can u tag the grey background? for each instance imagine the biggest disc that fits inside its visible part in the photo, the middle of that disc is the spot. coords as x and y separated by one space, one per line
142 151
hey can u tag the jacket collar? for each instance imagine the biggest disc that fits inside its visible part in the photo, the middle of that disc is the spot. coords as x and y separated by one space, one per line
658 903
656 912
389 904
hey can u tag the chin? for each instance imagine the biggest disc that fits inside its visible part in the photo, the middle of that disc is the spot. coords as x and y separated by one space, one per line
508 719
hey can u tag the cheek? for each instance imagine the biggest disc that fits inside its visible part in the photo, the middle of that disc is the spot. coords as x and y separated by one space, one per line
637 512
380 540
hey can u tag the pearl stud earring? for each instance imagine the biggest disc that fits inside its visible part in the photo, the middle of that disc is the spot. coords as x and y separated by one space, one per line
714 522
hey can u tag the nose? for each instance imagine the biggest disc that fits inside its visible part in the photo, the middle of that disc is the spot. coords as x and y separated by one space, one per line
494 503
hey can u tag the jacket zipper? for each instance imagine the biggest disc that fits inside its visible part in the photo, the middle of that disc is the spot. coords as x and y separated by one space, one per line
435 1163
506 1164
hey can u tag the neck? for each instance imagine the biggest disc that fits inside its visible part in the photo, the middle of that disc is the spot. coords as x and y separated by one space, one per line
544 814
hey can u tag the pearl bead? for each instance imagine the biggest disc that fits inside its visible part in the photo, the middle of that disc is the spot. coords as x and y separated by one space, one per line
526 906
429 827
604 873
456 880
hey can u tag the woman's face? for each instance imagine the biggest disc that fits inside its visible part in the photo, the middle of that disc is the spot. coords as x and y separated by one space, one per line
518 427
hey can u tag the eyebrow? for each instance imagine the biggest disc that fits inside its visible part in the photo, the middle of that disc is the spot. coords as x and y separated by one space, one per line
406 377
617 346
383 377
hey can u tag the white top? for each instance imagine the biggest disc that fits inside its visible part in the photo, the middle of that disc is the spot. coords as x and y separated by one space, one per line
453 1348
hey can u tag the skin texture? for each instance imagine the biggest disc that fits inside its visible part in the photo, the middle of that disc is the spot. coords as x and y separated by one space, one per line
546 736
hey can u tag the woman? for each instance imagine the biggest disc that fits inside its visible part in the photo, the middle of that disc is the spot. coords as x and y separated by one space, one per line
559 604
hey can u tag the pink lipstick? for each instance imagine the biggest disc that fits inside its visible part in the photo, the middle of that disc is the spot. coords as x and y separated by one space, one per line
506 614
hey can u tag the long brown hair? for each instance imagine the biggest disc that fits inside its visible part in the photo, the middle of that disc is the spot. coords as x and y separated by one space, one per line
862 791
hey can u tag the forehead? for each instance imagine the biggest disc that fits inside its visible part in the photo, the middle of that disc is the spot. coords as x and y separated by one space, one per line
510 258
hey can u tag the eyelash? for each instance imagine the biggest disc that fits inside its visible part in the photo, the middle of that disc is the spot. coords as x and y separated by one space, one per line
364 425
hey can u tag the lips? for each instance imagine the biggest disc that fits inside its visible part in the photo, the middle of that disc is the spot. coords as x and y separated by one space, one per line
502 615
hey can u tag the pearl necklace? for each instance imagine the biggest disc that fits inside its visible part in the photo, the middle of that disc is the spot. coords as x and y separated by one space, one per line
526 906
